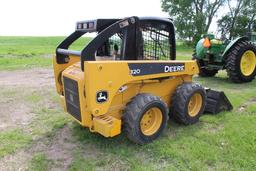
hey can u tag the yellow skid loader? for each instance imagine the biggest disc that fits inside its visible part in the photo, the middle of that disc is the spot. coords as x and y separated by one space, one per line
127 77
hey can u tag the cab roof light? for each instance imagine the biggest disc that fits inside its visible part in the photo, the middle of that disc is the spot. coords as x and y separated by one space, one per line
86 26
91 25
79 26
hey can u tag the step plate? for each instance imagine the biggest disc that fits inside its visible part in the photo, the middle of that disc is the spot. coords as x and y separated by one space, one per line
107 126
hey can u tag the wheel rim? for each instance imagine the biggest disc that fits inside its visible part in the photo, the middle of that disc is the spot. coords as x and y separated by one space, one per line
248 62
195 104
151 121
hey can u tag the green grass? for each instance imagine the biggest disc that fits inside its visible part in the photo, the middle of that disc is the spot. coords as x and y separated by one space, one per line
80 163
18 62
31 52
39 162
48 121
222 142
33 98
49 116
31 46
12 140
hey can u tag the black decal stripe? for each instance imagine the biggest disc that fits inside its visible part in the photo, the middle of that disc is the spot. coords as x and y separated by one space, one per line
138 69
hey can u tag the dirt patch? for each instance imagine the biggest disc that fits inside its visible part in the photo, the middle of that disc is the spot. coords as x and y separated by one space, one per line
19 161
17 89
14 115
213 129
61 148
15 86
17 113
58 149
28 78
243 107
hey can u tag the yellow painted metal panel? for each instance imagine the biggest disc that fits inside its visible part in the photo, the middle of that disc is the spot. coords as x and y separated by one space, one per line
112 75
107 126
116 79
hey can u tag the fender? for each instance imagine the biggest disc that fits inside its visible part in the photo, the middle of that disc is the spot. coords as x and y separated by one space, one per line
200 49
232 44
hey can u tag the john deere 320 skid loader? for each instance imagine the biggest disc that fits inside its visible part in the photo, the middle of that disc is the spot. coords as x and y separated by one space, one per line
127 77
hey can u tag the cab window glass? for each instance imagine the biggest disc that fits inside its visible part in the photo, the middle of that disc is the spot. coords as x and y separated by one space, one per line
110 49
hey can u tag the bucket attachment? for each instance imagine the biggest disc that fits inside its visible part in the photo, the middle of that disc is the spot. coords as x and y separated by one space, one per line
216 102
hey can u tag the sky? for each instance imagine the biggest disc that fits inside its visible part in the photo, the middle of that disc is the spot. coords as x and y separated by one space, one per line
58 17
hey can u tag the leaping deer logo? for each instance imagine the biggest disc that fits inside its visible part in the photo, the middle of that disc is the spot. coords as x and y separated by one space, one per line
102 96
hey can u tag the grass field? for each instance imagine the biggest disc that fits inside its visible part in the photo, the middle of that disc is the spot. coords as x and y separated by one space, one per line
24 52
35 133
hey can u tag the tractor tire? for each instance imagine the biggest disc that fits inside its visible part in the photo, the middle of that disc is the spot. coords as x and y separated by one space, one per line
203 72
241 62
188 103
145 117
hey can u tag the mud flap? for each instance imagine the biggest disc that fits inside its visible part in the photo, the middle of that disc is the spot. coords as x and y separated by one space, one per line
216 102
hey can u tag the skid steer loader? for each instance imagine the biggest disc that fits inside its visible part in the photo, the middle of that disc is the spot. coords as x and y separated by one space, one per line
127 78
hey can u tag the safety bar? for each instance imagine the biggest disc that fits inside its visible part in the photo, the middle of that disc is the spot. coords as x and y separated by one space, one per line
68 52
106 29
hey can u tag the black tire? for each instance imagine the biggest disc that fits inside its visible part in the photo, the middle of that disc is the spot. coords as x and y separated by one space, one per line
233 60
203 72
134 112
180 102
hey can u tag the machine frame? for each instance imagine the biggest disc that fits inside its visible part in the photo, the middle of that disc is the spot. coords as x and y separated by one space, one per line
134 87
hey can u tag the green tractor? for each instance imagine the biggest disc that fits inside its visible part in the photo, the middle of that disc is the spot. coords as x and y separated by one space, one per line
252 37
238 57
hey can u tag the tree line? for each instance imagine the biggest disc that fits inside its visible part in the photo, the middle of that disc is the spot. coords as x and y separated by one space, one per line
193 17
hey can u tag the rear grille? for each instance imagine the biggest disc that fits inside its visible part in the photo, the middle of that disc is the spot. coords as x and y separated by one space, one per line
72 98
